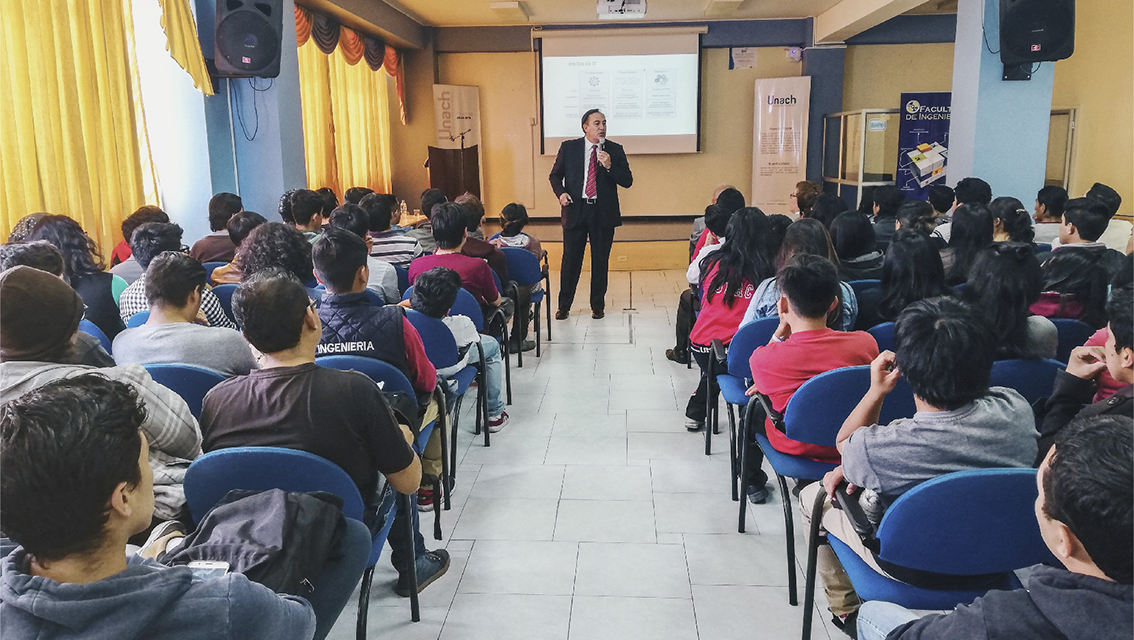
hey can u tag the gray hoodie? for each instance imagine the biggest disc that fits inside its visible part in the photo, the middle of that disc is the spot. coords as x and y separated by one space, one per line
147 600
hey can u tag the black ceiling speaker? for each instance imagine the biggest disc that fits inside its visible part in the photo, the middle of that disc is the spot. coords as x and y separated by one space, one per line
1036 30
248 35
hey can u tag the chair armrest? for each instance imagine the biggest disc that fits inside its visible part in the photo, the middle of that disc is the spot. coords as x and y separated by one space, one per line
777 418
720 353
853 510
495 324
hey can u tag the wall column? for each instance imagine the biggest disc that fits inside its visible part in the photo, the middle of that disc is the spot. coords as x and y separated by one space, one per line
825 65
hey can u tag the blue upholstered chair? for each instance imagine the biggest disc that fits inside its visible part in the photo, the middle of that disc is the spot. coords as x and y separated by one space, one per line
524 269
187 381
883 335
90 328
1072 333
138 319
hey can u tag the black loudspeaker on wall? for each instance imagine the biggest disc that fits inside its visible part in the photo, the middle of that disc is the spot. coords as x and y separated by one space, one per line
248 34
1036 30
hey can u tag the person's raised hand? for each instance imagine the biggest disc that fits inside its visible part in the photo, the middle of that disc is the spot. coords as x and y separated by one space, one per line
1087 362
604 159
783 331
564 199
883 373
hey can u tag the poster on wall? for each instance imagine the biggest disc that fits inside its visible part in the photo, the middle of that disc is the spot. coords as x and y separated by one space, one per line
456 111
779 141
923 142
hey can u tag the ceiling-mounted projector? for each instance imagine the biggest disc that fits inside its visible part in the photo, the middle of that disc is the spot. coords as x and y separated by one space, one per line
621 9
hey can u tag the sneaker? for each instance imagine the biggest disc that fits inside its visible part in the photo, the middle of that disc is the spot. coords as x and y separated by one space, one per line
758 495
430 566
516 347
496 423
425 500
694 425
848 623
149 549
598 314
680 357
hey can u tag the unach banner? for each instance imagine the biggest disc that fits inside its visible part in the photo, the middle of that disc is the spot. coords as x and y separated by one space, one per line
779 141
923 141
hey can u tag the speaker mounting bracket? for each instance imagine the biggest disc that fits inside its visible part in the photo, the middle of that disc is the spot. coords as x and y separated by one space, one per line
1017 72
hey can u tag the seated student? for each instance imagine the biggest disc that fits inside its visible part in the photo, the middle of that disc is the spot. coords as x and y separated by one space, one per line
83 270
1084 221
389 245
968 191
1118 232
475 244
434 293
1084 516
853 238
945 351
716 218
1107 384
218 245
513 219
912 271
307 213
1011 222
330 203
42 255
70 577
423 230
39 318
802 347
275 245
887 199
971 232
1075 386
383 278
804 236
148 241
941 198
825 208
699 222
729 200
239 226
918 215
1049 214
1003 283
121 263
450 233
174 284
1074 286
354 195
802 197
338 415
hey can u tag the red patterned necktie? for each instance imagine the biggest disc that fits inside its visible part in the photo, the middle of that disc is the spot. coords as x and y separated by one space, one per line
592 169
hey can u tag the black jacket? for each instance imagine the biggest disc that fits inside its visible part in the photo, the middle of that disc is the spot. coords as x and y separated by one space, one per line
351 327
1058 605
567 177
867 267
1071 398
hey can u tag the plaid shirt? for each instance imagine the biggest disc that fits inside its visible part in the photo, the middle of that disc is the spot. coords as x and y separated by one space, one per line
133 300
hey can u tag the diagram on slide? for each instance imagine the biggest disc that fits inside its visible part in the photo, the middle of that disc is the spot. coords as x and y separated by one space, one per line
927 162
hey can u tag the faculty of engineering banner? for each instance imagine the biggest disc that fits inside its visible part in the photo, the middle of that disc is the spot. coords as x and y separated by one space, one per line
779 141
923 141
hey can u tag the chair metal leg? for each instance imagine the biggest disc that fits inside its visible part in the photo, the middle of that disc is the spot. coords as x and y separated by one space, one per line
520 319
453 442
745 431
482 405
507 368
446 481
710 372
363 603
732 449
536 325
437 534
789 527
409 506
812 558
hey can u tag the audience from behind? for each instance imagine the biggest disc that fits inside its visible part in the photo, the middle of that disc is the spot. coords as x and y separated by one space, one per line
944 350
330 203
273 244
1004 282
475 245
1075 387
853 238
175 283
912 271
971 233
354 195
1118 232
732 199
918 215
729 277
83 270
716 222
284 208
887 199
802 347
1084 514
423 230
802 197
1074 286
70 577
149 241
338 415
307 213
1049 213
475 207
382 277
513 219
1011 222
779 224
239 226
1107 385
967 191
825 207
1084 221
121 263
388 244
218 246
24 226
804 236
39 319
434 293
941 198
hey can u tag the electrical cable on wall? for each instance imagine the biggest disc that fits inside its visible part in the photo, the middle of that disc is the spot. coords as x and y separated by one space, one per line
255 108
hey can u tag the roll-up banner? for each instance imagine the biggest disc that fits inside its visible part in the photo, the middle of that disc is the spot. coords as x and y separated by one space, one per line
779 141
456 110
923 141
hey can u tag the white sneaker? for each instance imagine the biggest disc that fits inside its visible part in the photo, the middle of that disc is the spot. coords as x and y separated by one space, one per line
496 423
694 425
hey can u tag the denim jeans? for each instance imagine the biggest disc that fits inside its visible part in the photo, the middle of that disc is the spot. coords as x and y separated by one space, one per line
399 538
493 374
876 619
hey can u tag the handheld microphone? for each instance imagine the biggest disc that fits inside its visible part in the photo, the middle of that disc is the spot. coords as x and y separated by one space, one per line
601 142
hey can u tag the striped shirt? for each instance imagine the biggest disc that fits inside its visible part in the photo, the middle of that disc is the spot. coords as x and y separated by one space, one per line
133 300
395 248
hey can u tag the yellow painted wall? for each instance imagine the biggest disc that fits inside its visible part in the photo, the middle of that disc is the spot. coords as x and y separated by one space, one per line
877 75
1099 80
409 142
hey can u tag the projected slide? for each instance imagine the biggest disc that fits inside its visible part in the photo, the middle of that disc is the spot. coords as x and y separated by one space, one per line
643 96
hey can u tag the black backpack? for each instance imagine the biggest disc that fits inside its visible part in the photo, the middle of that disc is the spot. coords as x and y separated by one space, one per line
277 538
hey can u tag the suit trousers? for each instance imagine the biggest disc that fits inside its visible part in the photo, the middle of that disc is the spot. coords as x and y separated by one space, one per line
575 239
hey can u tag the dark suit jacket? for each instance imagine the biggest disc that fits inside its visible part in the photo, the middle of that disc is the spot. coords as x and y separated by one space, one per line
567 177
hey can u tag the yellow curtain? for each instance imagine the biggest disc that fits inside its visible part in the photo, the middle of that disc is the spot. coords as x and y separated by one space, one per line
182 43
318 125
68 134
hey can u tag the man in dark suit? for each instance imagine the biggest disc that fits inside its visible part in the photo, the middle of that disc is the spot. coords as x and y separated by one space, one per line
586 177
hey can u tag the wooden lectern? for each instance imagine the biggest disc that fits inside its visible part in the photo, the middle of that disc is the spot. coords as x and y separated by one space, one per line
455 171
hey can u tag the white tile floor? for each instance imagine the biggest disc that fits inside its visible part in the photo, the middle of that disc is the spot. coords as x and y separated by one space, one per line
594 514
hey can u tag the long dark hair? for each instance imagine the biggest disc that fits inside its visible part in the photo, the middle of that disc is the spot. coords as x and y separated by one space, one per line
912 271
1004 281
746 257
81 254
806 236
1014 218
1076 272
512 219
970 234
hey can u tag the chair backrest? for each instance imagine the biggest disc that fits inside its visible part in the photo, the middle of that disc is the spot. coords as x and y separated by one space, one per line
138 319
466 305
858 286
1072 333
818 408
214 474
493 237
224 293
403 278
973 522
883 335
1034 379
210 267
499 285
440 347
383 373
90 328
187 381
523 266
746 340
